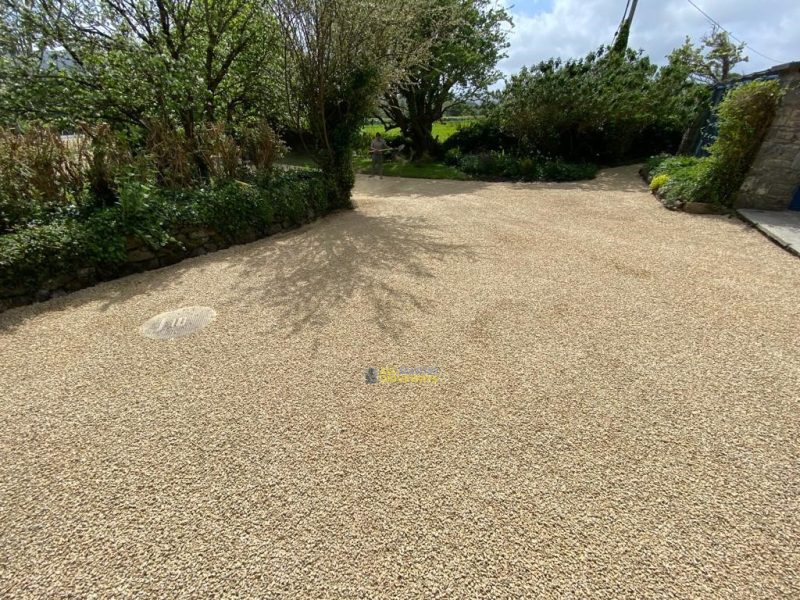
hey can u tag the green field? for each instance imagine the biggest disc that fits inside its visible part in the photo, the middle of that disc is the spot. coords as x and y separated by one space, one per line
398 168
442 129
391 168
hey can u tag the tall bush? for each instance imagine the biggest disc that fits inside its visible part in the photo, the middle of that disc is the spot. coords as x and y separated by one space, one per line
744 117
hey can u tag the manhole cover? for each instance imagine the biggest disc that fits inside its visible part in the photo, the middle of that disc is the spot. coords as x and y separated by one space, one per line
178 323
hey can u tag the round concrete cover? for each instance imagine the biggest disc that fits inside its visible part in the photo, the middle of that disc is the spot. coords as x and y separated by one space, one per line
178 323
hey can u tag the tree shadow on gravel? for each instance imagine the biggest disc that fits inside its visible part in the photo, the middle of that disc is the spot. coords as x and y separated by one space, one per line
310 275
613 179
307 275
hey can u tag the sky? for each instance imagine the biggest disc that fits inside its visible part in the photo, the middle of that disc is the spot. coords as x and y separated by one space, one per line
571 28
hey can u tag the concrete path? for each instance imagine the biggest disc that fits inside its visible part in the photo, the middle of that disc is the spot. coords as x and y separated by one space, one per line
618 415
781 226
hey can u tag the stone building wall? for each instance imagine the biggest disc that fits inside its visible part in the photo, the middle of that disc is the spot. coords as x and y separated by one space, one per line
774 177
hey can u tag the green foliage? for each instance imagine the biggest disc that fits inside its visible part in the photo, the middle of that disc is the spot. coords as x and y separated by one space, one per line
681 179
606 107
712 62
414 170
558 170
744 117
342 56
658 181
460 67
669 165
652 163
442 130
142 212
180 62
39 174
481 136
31 256
499 165
453 156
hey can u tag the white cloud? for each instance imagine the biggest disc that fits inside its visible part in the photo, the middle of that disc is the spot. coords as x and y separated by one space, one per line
571 28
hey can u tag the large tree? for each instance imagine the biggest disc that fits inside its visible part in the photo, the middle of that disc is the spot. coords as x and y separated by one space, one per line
712 62
461 66
340 57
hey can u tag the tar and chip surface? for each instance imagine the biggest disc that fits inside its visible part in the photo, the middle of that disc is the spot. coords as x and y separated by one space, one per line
619 417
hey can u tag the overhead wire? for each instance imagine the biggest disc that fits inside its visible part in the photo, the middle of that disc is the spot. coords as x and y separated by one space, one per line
717 24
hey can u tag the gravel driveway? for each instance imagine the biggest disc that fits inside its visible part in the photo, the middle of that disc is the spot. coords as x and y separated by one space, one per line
618 411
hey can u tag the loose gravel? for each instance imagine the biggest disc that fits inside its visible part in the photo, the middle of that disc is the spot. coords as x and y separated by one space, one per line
617 414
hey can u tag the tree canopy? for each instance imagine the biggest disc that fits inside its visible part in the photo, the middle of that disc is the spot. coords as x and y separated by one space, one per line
597 107
467 38
714 60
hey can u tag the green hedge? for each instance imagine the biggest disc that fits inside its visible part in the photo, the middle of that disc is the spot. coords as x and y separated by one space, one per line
500 165
34 255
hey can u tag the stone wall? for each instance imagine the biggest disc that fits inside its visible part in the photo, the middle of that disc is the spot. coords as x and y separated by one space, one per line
140 257
774 176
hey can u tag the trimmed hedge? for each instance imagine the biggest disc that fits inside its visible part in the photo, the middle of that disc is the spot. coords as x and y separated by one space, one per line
32 258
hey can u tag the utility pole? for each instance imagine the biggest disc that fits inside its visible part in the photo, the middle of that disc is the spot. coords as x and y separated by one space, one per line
621 40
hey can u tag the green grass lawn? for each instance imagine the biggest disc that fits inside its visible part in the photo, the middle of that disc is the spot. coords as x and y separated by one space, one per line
391 168
441 129
398 168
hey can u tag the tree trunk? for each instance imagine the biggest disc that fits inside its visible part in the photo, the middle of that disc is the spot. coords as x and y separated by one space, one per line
423 144
193 142
337 164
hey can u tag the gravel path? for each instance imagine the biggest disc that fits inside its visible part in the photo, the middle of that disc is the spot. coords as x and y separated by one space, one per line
618 415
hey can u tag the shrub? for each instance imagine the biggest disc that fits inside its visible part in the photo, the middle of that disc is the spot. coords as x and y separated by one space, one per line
261 146
607 106
39 173
499 165
681 179
110 157
670 165
689 184
31 256
652 163
658 181
452 157
744 117
481 136
171 154
221 155
558 170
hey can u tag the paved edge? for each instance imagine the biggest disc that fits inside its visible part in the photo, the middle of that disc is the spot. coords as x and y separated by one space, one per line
769 231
